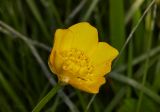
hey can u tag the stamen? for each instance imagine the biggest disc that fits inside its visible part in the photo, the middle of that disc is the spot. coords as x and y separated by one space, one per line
76 62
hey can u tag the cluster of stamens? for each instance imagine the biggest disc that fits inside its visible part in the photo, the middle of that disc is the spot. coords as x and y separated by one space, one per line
76 62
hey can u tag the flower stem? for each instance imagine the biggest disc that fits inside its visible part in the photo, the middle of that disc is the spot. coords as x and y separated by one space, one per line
43 102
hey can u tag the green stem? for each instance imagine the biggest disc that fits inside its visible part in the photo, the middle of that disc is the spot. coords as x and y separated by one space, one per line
90 102
48 97
149 32
90 10
129 70
133 31
115 101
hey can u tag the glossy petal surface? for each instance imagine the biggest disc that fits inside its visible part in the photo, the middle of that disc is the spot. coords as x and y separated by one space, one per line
78 59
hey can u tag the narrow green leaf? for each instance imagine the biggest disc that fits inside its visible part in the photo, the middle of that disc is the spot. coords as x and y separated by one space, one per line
136 85
7 87
48 97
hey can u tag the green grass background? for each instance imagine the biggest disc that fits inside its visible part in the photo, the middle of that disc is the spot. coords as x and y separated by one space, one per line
26 36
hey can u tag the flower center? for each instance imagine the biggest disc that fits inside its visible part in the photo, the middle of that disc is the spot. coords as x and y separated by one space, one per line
76 62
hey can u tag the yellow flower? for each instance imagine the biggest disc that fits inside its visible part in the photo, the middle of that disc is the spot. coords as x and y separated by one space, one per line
78 59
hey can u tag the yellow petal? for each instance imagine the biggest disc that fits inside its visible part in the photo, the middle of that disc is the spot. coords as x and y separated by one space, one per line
51 62
87 86
102 69
59 35
62 40
85 36
58 62
102 57
103 53
67 40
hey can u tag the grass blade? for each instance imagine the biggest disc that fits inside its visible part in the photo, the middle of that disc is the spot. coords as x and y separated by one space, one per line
136 85
12 94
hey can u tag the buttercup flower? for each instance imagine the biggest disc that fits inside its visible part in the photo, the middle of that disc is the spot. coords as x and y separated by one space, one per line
78 59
